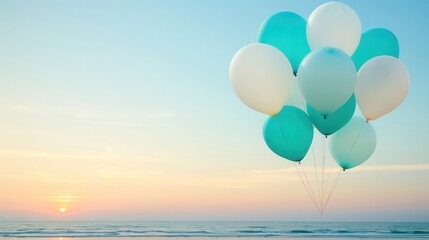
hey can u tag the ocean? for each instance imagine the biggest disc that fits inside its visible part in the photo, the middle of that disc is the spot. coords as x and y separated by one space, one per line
212 230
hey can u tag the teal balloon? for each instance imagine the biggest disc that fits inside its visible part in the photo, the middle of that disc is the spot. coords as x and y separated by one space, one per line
287 32
336 120
289 134
353 144
375 42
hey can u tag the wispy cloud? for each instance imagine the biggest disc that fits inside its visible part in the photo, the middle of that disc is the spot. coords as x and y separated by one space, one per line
148 119
79 112
161 114
20 108
251 178
41 177
65 197
385 168
90 116
405 167
120 124
116 172
47 155
268 171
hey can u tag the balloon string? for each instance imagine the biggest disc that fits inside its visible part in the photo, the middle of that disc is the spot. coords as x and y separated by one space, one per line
323 169
329 177
281 129
317 175
311 188
354 143
332 190
305 186
318 206
314 158
306 189
303 103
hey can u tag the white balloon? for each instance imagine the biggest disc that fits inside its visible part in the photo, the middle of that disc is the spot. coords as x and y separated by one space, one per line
262 77
327 79
334 24
382 85
295 97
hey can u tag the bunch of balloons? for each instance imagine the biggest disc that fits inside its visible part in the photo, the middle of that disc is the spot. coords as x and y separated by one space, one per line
306 74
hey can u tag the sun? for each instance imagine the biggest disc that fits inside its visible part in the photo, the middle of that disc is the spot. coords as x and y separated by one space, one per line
62 210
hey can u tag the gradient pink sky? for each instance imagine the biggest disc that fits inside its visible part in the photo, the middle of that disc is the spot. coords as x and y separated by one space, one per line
124 111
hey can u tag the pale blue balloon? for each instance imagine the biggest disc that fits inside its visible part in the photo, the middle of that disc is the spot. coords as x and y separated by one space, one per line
287 32
327 79
336 120
375 42
353 144
289 134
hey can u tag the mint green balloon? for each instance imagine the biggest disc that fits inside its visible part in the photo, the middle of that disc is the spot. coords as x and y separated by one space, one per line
353 144
289 134
287 32
375 42
336 120
327 79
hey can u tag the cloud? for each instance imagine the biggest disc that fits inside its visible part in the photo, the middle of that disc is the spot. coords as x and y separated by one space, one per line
47 155
311 173
19 108
148 120
307 169
120 124
90 116
116 172
65 197
405 167
161 114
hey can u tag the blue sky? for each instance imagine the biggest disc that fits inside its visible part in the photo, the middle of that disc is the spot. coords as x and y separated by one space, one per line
82 80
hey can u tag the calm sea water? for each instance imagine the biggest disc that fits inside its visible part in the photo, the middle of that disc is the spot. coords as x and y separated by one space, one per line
197 230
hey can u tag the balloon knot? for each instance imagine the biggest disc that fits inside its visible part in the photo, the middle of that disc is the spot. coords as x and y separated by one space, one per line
326 136
299 162
325 117
367 121
344 169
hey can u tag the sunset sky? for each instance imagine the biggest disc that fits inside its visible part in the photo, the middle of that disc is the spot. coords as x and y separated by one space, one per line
123 110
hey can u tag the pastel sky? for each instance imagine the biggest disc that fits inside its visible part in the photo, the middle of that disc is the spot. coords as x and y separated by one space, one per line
123 110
